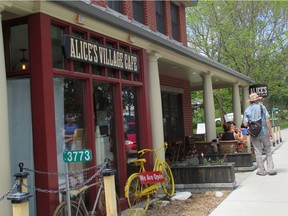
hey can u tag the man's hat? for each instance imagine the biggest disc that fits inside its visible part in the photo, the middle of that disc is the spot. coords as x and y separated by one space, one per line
254 97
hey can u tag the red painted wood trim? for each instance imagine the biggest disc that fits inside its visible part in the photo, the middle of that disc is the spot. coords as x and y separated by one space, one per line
43 117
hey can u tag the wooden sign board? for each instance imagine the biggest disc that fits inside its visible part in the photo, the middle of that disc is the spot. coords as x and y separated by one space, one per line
260 89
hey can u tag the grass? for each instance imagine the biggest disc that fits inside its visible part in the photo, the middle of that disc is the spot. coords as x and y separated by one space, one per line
283 124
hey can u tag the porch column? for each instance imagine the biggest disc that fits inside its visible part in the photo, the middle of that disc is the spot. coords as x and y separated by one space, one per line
209 108
155 103
245 97
5 177
236 105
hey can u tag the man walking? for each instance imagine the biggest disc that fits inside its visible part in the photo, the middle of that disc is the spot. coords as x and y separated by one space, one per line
262 141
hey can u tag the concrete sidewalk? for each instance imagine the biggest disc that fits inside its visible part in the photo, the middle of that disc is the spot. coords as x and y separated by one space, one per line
260 195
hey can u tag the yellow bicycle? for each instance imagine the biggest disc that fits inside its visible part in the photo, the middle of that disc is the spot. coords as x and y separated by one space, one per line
141 186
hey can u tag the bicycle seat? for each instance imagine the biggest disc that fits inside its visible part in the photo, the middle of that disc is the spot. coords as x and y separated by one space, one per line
139 161
75 192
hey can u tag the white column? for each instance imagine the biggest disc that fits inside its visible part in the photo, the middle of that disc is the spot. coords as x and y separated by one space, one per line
5 177
245 97
155 103
236 105
209 108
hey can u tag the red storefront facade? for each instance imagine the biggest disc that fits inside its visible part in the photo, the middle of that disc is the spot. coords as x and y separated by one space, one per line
98 95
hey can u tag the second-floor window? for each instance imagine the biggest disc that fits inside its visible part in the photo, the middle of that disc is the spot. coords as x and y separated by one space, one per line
115 5
160 16
138 11
175 21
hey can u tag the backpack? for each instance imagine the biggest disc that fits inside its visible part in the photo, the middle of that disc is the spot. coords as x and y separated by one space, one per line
254 127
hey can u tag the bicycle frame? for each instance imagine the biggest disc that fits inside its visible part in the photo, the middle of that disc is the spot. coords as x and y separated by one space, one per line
140 162
81 200
141 185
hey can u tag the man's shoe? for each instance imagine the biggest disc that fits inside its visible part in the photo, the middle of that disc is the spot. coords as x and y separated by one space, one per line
261 173
273 172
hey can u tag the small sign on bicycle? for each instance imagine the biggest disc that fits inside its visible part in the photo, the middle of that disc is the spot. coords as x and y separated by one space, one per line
82 155
151 177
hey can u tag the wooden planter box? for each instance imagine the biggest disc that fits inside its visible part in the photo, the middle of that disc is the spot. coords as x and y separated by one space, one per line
240 159
204 174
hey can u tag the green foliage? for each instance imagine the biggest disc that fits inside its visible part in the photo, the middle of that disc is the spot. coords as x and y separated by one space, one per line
283 124
248 36
217 161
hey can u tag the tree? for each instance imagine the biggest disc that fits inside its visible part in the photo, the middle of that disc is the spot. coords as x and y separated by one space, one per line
248 36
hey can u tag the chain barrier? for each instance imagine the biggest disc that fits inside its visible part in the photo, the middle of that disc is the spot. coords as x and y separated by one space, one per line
19 183
63 173
16 184
100 167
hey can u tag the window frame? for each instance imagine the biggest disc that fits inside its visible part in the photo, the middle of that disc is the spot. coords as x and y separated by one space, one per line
138 11
175 21
160 16
115 5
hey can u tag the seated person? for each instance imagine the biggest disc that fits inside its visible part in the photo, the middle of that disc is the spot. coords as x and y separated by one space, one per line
231 132
244 129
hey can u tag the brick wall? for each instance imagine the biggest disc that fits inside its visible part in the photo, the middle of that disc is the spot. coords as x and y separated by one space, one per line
168 24
100 3
127 8
150 16
186 99
182 21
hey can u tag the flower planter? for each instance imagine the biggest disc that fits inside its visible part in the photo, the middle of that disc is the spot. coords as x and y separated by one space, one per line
240 159
204 177
204 174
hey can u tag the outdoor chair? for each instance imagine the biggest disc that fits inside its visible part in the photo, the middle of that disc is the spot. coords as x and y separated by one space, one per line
228 146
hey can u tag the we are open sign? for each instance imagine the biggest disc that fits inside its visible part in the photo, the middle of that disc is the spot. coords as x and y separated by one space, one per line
151 177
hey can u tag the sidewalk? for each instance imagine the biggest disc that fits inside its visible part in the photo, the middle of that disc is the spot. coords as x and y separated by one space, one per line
260 195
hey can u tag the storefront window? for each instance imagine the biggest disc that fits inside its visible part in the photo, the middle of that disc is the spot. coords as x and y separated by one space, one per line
70 125
130 121
105 138
56 41
78 66
96 69
111 71
172 116
19 49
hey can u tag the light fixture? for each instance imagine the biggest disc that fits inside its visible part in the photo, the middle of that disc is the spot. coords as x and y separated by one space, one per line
80 19
131 38
23 61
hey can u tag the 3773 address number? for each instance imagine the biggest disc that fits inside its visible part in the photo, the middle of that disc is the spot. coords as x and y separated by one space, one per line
82 155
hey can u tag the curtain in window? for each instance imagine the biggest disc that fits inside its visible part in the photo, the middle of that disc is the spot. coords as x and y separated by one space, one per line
21 141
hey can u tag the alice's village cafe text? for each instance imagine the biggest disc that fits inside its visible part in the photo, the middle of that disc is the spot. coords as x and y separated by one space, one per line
88 52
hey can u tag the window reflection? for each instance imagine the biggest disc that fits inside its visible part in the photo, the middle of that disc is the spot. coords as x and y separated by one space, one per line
19 46
70 125
105 138
78 66
56 41
130 123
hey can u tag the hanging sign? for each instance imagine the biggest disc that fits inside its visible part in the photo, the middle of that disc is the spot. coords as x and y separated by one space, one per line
86 51
260 89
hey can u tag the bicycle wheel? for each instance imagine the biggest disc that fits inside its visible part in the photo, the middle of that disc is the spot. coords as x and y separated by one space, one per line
168 185
76 210
102 205
133 190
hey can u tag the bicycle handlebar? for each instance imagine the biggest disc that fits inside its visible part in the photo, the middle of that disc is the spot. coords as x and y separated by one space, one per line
143 151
